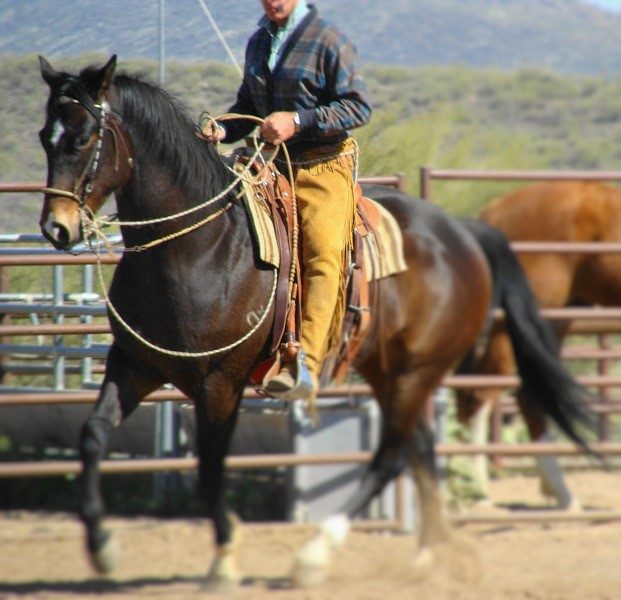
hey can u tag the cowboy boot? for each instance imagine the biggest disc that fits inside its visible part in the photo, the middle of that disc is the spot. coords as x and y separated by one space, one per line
293 382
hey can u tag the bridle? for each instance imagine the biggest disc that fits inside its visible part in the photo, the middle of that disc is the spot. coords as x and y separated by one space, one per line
83 184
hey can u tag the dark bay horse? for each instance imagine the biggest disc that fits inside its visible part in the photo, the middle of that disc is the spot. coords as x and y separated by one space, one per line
561 211
106 133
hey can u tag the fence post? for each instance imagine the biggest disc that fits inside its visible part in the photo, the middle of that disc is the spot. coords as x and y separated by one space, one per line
87 339
4 320
425 183
58 293
603 368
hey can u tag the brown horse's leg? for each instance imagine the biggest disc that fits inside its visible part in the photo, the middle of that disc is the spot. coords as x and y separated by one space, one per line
439 545
313 560
214 428
406 409
403 402
434 528
552 480
474 406
122 390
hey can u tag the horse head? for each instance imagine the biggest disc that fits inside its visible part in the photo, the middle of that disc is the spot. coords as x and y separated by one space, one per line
88 155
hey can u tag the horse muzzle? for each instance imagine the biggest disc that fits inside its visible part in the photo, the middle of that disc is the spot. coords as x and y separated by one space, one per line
60 224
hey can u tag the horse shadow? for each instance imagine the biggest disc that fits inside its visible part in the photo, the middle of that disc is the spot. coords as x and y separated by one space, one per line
98 586
92 586
543 508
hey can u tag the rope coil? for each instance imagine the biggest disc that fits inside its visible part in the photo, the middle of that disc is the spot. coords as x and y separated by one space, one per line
95 238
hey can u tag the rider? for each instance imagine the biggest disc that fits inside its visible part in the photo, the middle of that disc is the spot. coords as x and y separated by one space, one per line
302 77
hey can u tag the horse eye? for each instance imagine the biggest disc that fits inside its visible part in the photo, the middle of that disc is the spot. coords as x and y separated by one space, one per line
82 142
70 112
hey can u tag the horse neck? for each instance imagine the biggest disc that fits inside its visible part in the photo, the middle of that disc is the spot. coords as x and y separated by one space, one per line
173 170
151 195
171 164
159 187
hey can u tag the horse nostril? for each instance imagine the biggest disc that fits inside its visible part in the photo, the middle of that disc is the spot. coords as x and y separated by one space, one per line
58 235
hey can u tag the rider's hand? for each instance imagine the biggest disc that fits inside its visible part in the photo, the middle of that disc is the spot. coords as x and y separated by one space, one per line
213 132
278 127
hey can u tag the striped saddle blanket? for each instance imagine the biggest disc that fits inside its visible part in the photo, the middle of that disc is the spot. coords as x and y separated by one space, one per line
382 241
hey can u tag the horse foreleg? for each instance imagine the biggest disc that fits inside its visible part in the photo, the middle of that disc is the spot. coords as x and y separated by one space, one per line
224 574
120 393
213 439
479 435
552 480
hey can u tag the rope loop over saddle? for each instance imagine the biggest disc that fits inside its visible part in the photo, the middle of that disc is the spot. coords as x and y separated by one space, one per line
95 238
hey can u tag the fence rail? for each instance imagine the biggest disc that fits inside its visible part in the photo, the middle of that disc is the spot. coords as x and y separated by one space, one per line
588 317
153 465
428 174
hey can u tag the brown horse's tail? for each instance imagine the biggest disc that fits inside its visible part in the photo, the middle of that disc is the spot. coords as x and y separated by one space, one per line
546 384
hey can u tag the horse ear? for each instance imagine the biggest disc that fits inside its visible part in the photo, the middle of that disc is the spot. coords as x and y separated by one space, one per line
49 74
107 75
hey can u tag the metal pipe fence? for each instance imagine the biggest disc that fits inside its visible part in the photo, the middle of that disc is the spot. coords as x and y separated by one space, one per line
89 306
429 174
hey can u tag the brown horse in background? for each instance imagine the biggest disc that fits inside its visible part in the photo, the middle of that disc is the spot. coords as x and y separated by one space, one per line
552 212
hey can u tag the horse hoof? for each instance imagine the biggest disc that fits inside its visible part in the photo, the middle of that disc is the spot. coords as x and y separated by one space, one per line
311 564
105 559
423 563
221 584
223 576
572 506
483 502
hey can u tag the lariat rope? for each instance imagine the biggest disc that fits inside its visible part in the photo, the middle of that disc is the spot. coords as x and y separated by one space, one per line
93 234
177 353
90 229
257 179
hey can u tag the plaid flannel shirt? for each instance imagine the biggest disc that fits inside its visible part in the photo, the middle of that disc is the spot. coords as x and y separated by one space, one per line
316 75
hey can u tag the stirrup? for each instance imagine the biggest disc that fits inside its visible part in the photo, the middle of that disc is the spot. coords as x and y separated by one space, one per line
303 388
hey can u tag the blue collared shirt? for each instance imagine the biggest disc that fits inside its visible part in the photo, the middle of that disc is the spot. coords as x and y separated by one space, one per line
279 37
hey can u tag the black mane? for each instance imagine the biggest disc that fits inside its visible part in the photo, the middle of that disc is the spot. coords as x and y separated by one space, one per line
162 126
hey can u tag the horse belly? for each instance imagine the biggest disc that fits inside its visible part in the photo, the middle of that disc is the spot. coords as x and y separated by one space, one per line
598 281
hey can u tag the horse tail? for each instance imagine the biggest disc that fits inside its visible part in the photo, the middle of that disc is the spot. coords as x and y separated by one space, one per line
546 384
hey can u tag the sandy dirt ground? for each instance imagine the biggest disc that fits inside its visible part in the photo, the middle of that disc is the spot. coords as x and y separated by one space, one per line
41 556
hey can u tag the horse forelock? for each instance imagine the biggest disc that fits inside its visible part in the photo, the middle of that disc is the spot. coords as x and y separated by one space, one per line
165 132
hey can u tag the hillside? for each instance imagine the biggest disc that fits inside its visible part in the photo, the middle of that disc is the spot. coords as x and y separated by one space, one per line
567 36
449 117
